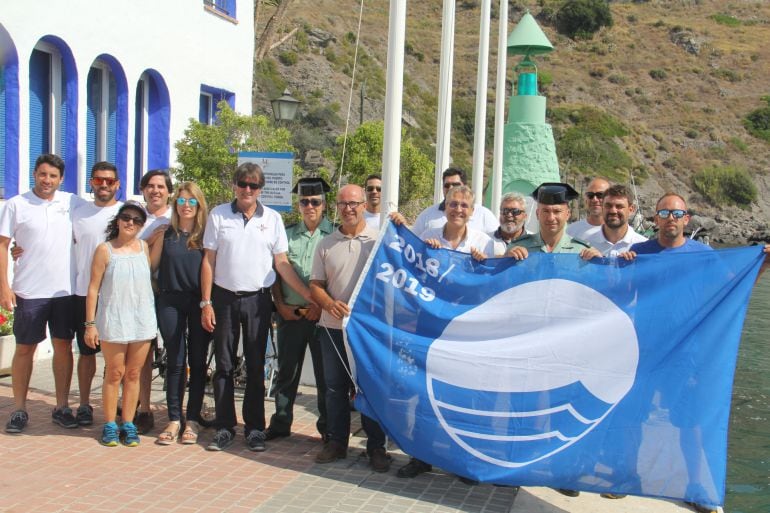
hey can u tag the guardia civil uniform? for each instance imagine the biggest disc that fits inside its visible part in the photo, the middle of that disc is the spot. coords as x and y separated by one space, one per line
534 244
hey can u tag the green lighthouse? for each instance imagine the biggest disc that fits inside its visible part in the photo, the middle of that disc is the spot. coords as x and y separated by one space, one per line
529 152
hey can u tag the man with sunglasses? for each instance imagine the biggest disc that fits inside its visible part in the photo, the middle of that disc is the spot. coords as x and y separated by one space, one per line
513 218
296 317
671 216
594 195
482 219
245 246
373 189
40 221
89 222
337 264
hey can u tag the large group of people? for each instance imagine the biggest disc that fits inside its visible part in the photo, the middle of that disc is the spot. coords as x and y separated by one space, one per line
112 274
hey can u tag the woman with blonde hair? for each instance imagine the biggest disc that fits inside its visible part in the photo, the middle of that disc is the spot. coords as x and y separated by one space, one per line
177 258
124 321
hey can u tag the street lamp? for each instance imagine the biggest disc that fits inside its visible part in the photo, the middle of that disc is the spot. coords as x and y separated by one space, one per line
285 107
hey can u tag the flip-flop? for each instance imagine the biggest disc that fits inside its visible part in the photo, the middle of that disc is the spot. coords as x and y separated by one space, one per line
170 434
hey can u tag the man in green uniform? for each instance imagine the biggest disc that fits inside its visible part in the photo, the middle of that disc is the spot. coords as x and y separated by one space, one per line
297 318
552 214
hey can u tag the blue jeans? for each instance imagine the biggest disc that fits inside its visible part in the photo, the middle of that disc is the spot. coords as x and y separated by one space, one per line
338 385
179 312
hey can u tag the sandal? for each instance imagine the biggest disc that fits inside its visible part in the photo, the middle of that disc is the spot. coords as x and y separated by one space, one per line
190 435
170 434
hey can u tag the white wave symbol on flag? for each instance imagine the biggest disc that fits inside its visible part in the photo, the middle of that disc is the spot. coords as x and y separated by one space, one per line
531 371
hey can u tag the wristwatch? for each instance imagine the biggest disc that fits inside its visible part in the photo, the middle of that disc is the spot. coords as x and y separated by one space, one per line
204 303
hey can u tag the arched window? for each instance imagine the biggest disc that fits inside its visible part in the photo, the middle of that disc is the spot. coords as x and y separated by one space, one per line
9 116
53 104
107 115
151 135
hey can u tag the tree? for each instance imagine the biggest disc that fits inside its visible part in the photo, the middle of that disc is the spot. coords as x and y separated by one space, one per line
363 156
582 18
264 42
208 154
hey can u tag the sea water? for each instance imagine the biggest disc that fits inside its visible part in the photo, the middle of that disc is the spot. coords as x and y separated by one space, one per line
748 466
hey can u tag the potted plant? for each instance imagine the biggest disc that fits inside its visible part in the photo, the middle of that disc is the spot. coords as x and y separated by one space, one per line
7 341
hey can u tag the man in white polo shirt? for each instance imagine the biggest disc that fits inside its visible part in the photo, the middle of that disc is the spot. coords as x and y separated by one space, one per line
594 195
40 221
245 244
615 236
482 219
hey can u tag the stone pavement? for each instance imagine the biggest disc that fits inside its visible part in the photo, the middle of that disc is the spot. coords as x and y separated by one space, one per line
50 469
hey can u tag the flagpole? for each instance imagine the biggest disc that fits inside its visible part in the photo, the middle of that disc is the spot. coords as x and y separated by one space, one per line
444 121
391 150
497 160
481 103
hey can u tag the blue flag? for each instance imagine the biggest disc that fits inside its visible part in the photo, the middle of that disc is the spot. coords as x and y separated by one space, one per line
604 376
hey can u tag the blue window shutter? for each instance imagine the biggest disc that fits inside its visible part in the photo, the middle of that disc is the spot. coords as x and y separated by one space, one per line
2 130
204 112
138 134
39 108
93 106
112 120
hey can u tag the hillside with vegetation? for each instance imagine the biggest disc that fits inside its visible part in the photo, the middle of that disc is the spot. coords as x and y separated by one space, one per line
673 93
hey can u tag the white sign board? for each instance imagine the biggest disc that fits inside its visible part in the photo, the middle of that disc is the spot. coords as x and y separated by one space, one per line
278 169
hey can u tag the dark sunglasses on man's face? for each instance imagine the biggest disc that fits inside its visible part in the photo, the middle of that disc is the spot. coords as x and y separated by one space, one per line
311 201
516 212
103 180
250 185
372 188
128 218
677 213
597 195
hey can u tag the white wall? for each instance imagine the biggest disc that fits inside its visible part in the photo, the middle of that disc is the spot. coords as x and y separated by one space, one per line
187 44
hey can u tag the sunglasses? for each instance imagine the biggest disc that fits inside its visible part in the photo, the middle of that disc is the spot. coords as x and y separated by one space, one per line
449 185
187 201
516 212
99 181
458 204
250 185
677 213
349 204
372 188
128 218
311 201
597 195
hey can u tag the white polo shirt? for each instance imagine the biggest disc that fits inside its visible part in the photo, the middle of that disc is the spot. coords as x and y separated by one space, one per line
154 222
473 239
599 241
89 225
582 229
245 250
44 230
482 220
372 220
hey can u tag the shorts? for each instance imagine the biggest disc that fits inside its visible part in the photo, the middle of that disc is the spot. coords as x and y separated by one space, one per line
31 316
79 304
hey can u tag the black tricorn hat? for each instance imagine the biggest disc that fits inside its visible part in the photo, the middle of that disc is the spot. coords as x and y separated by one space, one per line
554 193
314 186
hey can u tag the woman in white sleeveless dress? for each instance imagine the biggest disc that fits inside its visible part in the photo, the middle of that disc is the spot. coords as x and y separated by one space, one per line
120 316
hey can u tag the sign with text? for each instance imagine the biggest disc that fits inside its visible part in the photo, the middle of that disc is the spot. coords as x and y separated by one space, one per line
278 170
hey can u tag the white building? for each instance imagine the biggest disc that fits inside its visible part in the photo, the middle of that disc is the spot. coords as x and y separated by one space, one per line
112 80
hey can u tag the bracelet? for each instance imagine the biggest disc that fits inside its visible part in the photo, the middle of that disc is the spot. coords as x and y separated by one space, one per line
89 324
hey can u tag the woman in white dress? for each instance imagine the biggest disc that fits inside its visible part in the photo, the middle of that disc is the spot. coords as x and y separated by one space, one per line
123 321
